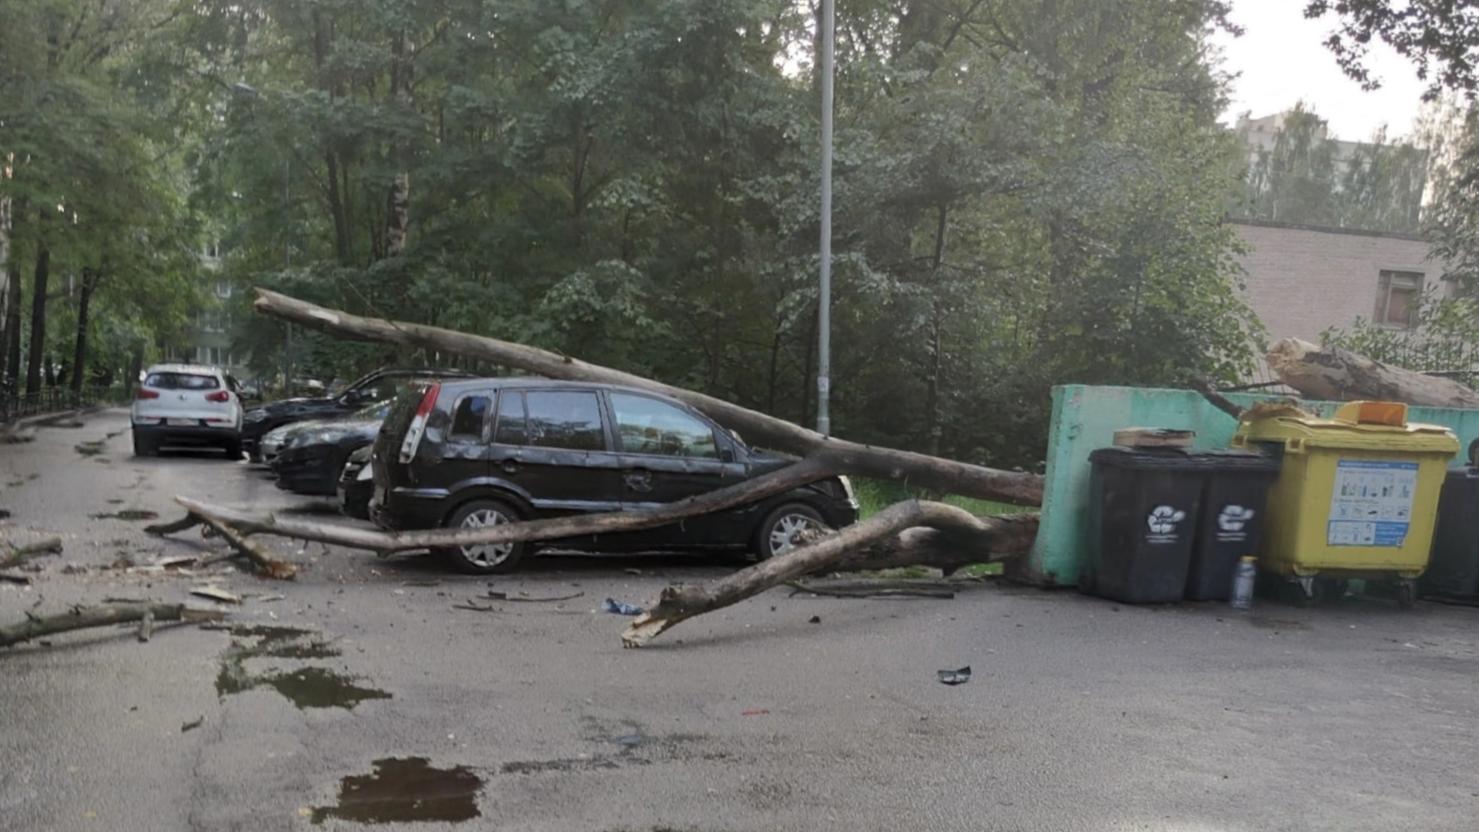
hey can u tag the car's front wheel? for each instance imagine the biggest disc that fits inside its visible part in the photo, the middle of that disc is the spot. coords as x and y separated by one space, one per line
787 527
483 558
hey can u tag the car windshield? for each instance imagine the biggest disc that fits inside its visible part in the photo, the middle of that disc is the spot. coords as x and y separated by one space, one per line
373 412
181 381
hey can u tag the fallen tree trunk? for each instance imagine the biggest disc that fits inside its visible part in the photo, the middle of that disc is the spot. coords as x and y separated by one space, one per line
679 603
843 457
749 491
1340 375
79 618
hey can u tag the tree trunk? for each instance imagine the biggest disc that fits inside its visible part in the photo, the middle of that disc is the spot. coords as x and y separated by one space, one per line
336 208
932 387
5 277
398 199
1340 375
839 456
37 347
79 355
12 343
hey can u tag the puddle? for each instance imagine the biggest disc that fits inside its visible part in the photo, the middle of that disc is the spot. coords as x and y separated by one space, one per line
1279 624
90 448
308 687
404 790
127 514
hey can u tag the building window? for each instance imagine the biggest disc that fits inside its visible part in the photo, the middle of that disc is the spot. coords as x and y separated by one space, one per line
223 288
1397 297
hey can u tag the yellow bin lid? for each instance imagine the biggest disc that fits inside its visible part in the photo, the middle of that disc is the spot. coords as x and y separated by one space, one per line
1377 426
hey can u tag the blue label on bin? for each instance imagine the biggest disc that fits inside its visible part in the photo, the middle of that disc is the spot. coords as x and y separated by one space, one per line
1371 503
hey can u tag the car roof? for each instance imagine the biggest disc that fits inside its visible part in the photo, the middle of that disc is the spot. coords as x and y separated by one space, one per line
531 382
192 369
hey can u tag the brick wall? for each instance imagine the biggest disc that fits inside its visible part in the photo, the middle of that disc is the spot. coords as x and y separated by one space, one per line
1302 280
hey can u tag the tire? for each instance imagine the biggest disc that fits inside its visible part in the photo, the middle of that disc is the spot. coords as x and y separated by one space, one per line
483 560
1407 594
144 445
233 450
777 534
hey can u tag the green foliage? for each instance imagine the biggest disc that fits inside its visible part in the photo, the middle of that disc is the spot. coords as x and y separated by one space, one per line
1443 338
1026 193
1308 178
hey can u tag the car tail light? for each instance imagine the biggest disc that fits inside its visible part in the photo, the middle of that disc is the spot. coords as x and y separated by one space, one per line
146 393
218 396
418 424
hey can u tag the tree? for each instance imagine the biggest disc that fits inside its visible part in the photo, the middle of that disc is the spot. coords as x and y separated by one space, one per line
1438 36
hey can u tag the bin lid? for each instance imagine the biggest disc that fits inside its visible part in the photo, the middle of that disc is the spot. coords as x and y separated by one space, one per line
1376 426
1183 459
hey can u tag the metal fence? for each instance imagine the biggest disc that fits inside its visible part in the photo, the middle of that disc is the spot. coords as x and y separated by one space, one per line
15 404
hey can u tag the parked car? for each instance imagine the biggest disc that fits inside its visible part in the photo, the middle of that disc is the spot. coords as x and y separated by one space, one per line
356 484
380 385
314 456
478 452
186 404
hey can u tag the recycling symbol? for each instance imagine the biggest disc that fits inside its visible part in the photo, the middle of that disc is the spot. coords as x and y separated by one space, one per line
1233 518
1163 519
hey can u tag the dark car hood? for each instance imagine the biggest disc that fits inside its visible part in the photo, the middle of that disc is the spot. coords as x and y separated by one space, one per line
344 428
283 407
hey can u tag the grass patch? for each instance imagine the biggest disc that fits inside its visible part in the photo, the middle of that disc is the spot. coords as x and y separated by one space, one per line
876 495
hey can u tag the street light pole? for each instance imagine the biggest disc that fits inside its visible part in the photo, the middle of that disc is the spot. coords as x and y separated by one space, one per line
824 300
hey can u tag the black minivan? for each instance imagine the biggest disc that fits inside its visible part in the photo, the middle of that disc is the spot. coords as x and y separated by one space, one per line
467 453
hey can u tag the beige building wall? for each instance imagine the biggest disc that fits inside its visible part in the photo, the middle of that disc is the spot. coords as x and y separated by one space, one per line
1302 280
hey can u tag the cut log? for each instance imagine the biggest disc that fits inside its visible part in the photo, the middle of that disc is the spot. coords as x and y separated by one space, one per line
1340 375
79 618
843 457
12 555
680 603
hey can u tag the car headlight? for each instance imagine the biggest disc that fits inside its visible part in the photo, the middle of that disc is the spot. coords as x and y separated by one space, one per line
275 436
365 473
254 416
312 437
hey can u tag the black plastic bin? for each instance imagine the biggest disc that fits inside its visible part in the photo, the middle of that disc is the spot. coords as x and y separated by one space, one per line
1453 568
1144 510
1231 519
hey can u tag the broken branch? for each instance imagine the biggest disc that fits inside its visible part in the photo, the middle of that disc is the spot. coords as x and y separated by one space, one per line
13 555
679 603
79 618
1340 375
265 563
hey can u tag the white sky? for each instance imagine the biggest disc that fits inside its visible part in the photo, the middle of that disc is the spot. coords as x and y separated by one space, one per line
1281 59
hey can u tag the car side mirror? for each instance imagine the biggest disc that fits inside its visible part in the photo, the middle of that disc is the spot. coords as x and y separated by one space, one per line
726 455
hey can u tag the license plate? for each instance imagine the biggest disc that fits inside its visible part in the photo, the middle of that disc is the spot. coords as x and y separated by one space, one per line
181 422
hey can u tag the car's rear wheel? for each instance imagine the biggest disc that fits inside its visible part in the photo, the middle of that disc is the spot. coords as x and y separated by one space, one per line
487 558
787 527
233 450
145 445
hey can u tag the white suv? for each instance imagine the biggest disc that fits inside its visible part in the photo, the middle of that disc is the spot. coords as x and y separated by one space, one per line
187 404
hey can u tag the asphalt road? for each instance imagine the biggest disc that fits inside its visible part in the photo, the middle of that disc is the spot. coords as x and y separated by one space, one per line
1081 714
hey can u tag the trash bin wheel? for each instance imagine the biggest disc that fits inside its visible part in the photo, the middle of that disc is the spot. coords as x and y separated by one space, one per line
1406 594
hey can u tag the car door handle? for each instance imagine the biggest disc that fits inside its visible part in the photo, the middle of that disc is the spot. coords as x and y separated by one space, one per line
638 480
509 466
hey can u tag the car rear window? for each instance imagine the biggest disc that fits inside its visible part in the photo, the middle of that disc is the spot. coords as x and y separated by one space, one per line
181 381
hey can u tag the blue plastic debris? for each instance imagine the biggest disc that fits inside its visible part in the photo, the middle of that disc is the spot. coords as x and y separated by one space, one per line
620 607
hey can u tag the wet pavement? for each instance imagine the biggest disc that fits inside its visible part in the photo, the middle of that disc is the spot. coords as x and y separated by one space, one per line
389 694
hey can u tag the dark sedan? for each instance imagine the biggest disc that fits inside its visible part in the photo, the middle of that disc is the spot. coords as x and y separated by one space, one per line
311 461
380 385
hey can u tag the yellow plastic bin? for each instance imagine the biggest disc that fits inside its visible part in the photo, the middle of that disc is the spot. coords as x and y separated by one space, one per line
1356 497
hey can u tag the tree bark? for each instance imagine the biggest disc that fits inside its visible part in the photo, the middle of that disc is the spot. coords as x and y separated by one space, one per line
79 618
5 277
12 342
398 196
681 602
79 354
839 456
38 318
1340 375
